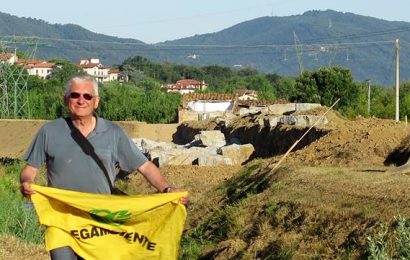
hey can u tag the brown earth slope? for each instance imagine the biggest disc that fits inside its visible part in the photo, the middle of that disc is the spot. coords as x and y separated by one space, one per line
362 142
359 142
356 147
16 135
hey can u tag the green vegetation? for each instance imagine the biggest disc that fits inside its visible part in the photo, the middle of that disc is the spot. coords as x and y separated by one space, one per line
129 102
396 246
142 99
257 214
17 217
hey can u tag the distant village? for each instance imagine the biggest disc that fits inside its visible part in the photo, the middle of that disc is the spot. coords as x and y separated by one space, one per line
195 104
43 69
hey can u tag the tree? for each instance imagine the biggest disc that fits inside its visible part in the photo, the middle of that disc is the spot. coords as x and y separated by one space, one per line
134 74
404 99
306 89
327 85
285 88
383 104
63 70
334 83
34 82
47 103
261 84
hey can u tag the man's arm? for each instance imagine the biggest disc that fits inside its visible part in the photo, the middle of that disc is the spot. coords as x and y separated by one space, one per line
27 176
153 175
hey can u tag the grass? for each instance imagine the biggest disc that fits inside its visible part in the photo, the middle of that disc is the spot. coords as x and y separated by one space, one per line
391 242
298 213
17 217
17 249
292 213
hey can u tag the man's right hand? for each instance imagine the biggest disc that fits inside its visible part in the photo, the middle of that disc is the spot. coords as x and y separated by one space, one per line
27 176
26 190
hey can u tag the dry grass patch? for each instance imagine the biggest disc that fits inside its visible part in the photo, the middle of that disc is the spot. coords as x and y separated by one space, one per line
298 212
12 248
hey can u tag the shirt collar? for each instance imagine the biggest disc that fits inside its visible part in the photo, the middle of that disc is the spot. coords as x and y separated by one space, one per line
101 124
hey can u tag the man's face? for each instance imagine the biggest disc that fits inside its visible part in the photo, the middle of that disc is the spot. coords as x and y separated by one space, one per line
81 100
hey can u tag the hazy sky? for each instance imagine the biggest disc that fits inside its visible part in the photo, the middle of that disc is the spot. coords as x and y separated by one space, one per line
160 20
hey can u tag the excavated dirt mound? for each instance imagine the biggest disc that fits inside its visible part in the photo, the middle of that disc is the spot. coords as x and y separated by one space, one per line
360 142
342 142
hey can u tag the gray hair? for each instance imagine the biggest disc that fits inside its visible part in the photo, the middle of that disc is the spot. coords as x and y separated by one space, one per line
81 78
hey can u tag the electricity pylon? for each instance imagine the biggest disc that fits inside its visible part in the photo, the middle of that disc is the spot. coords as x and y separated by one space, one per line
298 49
14 100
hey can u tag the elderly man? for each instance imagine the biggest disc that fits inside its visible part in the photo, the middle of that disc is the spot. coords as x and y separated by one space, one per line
68 167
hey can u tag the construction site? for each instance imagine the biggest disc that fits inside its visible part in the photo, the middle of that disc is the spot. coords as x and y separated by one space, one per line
334 187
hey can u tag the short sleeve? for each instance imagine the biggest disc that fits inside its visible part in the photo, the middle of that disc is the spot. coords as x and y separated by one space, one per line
130 157
36 153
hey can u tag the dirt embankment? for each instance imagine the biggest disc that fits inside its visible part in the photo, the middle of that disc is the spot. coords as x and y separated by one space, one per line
323 210
342 142
364 141
16 135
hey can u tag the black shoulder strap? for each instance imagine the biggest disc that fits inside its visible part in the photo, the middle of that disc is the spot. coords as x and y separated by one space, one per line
87 148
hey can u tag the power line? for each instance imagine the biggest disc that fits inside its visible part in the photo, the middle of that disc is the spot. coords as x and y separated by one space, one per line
48 39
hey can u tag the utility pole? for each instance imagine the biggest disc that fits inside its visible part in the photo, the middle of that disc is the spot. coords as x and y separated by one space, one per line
397 79
368 97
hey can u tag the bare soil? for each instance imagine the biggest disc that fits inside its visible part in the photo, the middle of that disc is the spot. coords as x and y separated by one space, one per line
354 148
16 135
364 142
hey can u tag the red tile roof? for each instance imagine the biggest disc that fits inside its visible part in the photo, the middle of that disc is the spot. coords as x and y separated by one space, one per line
24 61
40 65
114 70
6 56
186 84
91 65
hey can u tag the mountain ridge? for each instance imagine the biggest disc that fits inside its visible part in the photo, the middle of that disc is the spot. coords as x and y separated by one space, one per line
271 44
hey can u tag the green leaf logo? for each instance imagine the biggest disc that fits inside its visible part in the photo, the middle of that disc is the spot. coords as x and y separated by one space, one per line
113 218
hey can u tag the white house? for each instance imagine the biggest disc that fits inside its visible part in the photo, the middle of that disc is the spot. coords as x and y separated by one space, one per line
41 69
199 106
113 74
94 67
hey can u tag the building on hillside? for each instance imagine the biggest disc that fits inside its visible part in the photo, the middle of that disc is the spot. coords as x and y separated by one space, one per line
200 106
113 74
95 68
41 69
8 57
247 94
185 86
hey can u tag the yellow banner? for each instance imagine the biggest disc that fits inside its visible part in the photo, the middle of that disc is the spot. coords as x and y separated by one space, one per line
99 226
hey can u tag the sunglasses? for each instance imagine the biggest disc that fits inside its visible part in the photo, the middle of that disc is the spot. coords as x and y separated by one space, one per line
75 95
